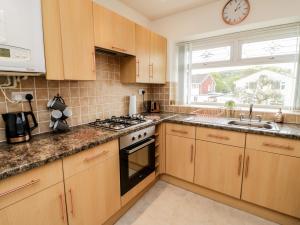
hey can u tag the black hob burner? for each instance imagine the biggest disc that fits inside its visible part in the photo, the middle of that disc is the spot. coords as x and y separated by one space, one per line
119 123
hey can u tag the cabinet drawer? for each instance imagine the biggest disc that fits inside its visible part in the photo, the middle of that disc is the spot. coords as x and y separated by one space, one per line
221 136
181 130
273 144
21 186
88 158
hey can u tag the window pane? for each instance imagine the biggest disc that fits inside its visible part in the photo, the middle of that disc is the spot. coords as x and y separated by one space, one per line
264 85
286 46
211 55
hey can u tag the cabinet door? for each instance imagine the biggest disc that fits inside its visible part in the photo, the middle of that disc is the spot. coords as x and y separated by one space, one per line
94 195
180 154
142 38
52 40
103 27
124 35
46 207
113 31
78 39
272 180
219 167
158 58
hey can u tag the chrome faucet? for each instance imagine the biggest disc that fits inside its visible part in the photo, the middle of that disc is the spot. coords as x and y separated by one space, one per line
250 112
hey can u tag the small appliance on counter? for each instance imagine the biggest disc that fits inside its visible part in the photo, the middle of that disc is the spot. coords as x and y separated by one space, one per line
17 126
153 107
59 114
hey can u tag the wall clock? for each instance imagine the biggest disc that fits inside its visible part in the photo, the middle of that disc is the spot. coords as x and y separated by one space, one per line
235 11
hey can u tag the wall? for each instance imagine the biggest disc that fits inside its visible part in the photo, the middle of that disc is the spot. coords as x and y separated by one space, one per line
206 21
125 11
89 100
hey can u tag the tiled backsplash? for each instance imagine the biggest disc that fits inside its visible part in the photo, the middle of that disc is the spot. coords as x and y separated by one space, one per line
88 100
102 98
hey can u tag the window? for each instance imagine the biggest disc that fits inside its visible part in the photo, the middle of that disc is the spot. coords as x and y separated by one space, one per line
270 48
258 67
206 56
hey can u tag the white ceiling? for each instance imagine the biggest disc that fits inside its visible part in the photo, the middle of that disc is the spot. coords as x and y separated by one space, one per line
155 9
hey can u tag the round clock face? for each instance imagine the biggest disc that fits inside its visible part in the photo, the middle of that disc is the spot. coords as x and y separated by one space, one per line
235 11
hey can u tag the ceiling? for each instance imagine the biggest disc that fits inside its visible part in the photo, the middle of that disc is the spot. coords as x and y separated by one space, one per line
155 9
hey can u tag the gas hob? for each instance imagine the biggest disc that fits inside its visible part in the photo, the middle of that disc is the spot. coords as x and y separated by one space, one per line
120 123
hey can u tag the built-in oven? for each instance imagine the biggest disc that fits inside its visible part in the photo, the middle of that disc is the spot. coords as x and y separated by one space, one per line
137 157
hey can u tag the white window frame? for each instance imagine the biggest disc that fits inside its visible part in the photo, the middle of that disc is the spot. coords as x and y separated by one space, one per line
235 41
213 64
266 59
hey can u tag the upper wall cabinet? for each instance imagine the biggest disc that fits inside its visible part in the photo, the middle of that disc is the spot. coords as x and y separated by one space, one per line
113 32
158 58
69 39
149 65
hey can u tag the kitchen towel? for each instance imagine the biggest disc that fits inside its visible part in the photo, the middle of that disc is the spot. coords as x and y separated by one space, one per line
132 105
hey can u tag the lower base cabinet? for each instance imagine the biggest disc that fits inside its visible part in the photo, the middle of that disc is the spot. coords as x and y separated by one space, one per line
93 195
46 207
273 181
180 154
219 167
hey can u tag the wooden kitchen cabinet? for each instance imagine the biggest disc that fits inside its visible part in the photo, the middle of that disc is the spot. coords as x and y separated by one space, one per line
112 31
46 207
219 167
272 180
69 39
160 150
142 54
29 183
180 155
158 58
149 65
93 194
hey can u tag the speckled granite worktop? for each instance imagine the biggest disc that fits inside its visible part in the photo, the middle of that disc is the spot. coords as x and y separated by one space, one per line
45 148
48 147
291 131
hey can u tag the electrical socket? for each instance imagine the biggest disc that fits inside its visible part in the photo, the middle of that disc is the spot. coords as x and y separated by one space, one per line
20 96
141 91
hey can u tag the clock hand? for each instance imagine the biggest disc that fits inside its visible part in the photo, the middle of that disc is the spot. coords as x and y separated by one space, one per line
238 7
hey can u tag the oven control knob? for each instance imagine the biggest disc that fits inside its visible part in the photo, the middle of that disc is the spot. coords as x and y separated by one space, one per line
133 138
140 136
145 134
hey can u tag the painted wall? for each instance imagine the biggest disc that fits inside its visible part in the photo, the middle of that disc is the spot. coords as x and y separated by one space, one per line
206 21
125 11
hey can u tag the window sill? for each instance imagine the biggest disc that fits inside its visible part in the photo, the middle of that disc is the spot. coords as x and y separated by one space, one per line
242 109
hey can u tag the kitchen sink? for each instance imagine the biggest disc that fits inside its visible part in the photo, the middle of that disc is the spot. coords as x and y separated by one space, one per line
254 124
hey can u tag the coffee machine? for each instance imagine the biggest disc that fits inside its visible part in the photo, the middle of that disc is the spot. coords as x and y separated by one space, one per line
18 126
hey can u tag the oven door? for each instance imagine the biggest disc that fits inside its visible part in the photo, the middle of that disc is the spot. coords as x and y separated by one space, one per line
136 162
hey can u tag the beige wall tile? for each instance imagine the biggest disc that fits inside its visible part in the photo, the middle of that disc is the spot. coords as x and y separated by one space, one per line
42 93
40 82
88 100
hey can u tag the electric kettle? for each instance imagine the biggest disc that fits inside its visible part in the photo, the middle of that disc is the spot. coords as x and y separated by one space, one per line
18 126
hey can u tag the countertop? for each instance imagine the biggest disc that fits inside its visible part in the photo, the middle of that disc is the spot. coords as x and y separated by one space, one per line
291 131
48 147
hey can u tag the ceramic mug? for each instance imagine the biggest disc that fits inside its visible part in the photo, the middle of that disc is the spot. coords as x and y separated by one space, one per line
56 115
61 126
67 113
57 103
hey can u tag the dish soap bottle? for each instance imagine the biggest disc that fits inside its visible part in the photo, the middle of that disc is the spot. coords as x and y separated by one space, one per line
278 117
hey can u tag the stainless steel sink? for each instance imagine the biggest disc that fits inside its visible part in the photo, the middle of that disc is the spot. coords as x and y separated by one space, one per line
254 124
